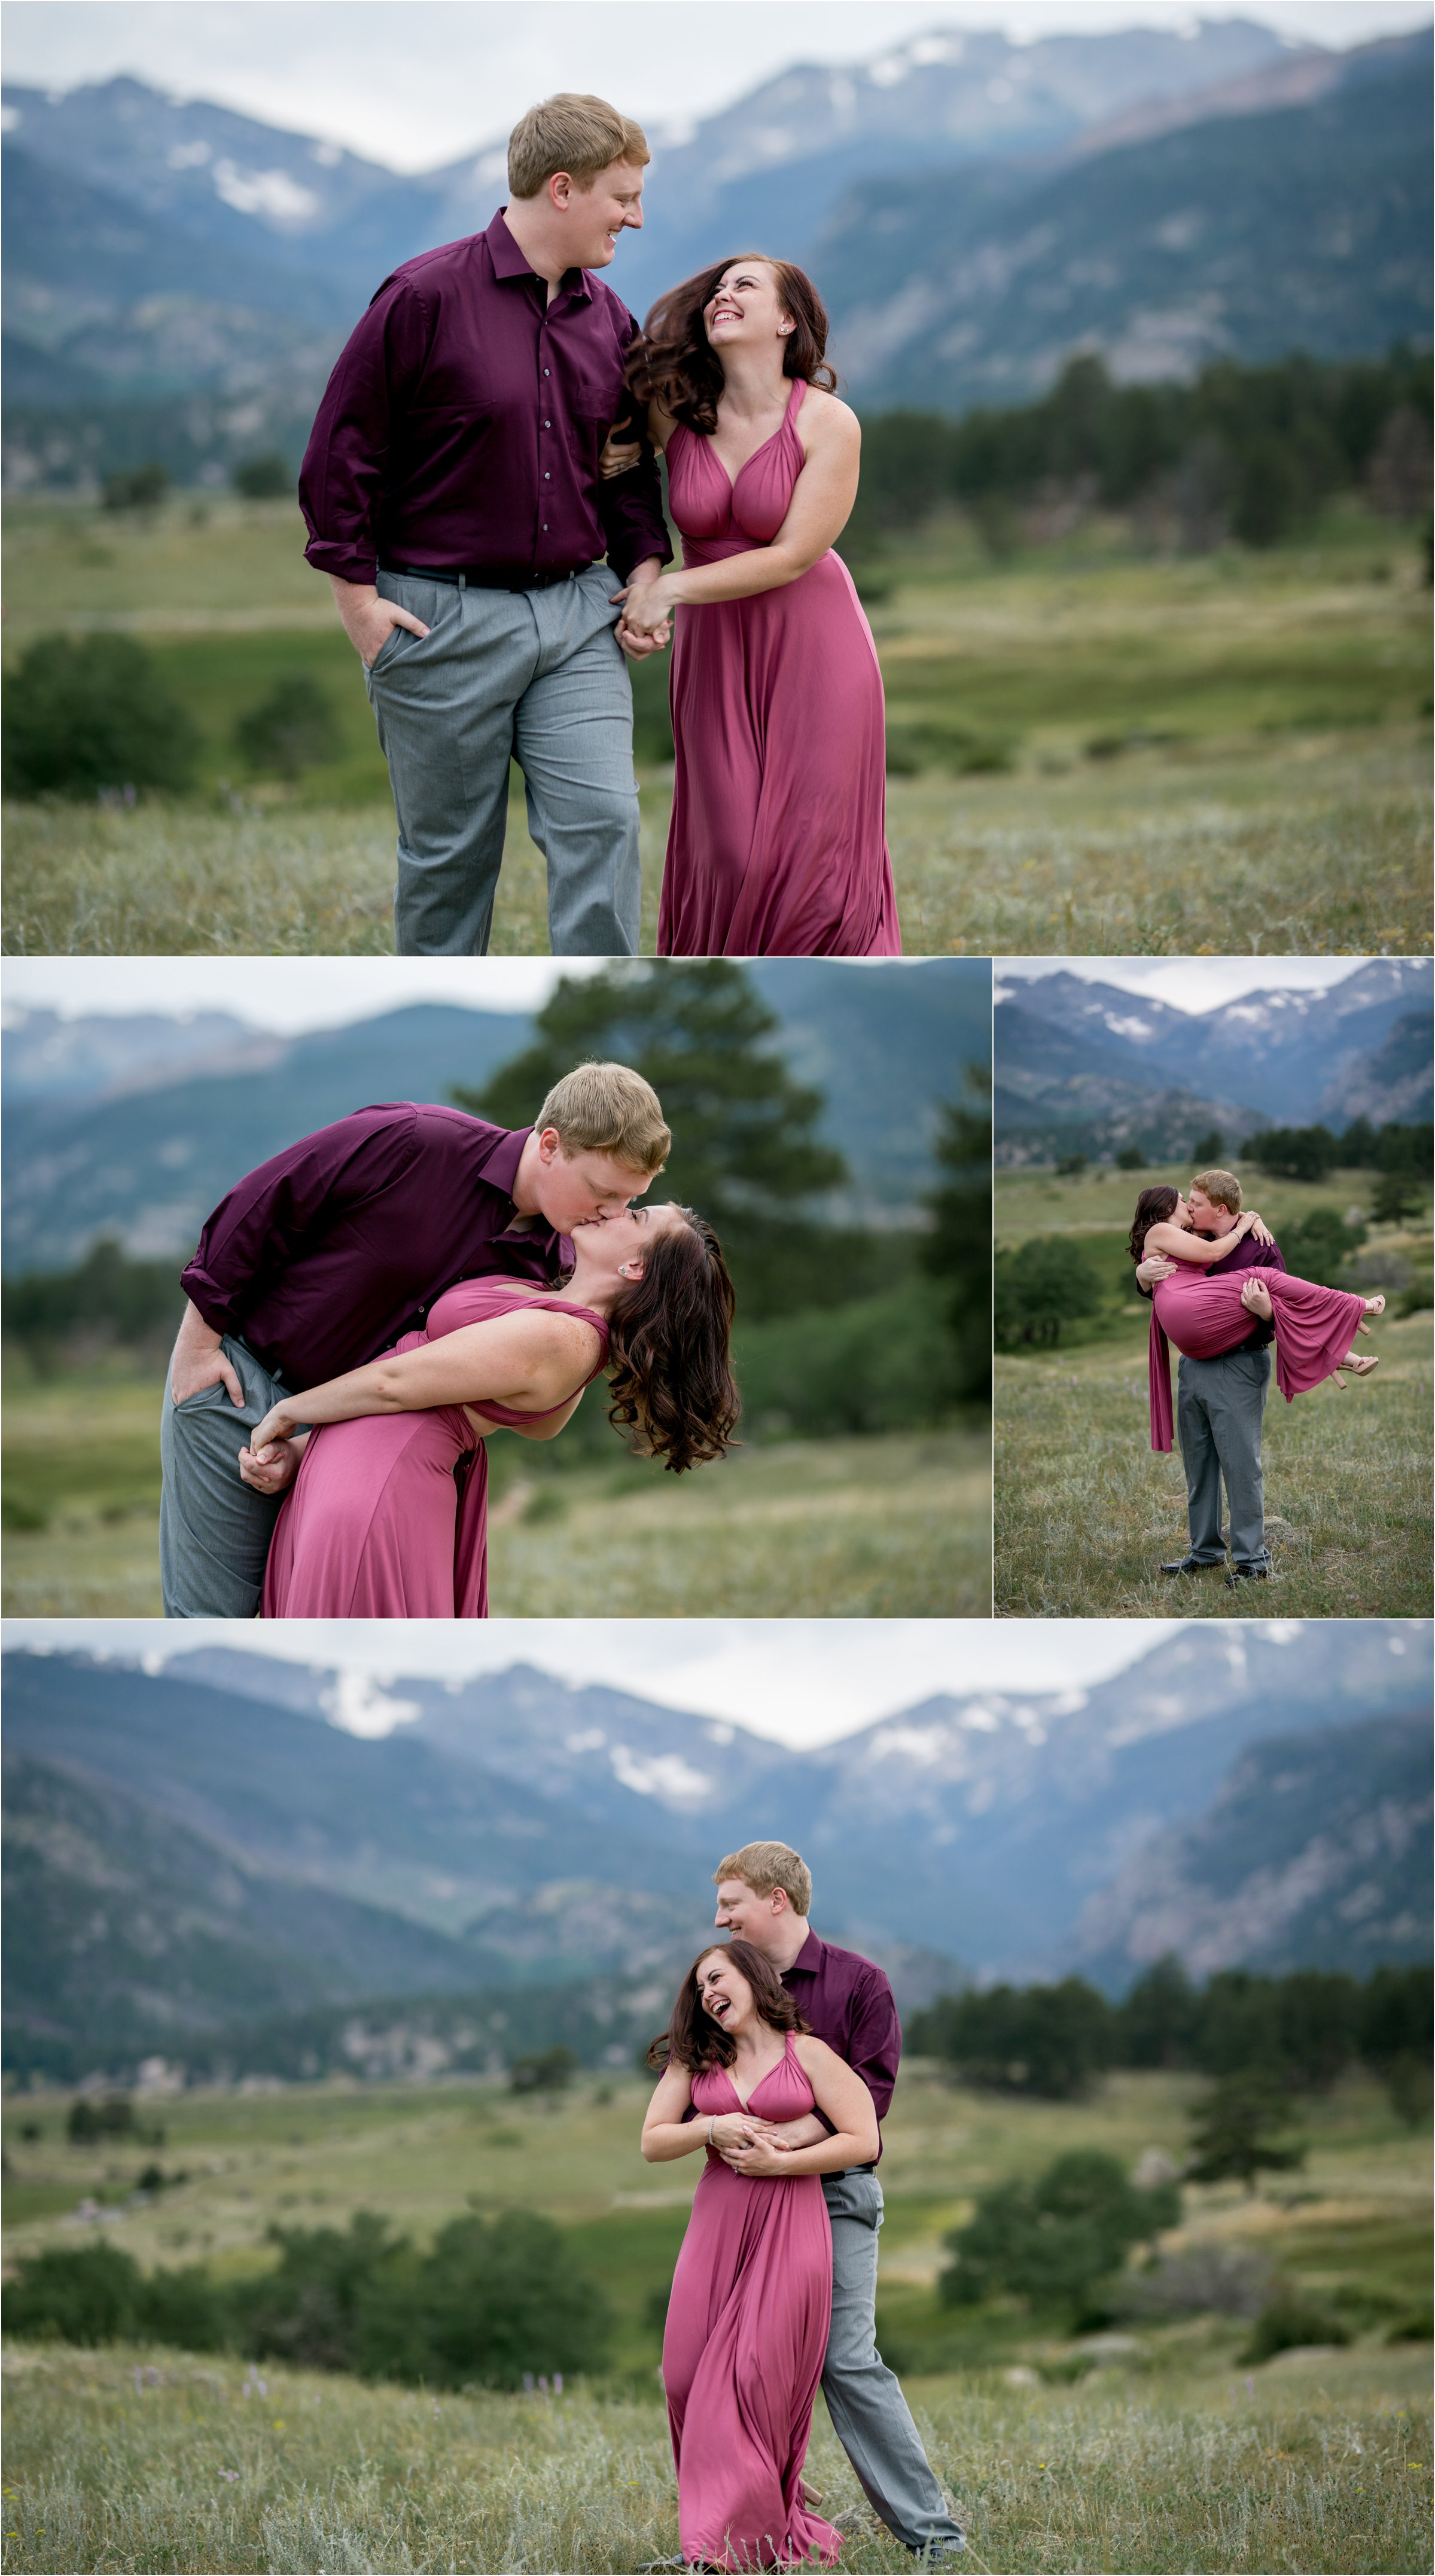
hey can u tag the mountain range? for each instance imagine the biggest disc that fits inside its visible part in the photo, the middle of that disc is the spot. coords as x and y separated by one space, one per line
975 208
190 1847
135 1128
1089 1067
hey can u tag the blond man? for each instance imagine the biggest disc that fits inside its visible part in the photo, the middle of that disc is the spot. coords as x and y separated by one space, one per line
1220 1403
320 1259
764 1895
452 494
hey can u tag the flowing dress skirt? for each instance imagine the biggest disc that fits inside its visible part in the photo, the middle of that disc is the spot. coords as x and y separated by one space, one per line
1204 1317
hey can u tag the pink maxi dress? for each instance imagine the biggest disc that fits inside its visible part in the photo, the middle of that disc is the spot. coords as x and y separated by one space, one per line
778 842
746 2337
1204 1316
388 1515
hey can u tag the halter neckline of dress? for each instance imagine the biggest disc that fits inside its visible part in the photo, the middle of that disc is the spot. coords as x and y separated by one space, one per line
794 404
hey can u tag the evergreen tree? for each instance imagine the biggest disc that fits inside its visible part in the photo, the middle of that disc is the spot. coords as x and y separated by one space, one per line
1234 2131
958 1251
1156 2023
746 1149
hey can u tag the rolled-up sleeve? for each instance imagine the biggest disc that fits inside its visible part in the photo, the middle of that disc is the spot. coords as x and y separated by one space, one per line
274 1212
341 481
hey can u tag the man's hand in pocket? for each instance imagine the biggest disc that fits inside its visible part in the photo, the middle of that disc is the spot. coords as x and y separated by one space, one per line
199 1362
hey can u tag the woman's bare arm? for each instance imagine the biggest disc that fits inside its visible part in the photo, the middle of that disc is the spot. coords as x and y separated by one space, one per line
1175 1244
847 2104
820 508
666 2133
527 1359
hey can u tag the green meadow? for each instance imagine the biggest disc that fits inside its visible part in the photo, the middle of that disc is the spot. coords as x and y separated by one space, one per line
1094 749
1085 1511
1164 2452
893 1525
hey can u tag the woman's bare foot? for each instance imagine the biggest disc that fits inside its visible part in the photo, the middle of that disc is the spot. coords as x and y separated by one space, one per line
1374 1306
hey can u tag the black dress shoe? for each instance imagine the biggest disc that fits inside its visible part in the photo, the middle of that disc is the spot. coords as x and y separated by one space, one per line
1190 1565
1247 1574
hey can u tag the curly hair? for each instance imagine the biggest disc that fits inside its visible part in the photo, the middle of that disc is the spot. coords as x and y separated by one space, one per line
694 2040
673 363
1152 1208
669 1336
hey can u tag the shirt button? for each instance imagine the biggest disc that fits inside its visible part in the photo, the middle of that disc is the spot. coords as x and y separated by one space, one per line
548 424
547 371
547 478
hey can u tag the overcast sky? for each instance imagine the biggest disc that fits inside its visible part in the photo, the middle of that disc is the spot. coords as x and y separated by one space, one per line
417 82
799 1681
1187 983
280 992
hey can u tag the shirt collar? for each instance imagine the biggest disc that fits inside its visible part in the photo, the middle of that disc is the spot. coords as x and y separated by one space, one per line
500 1164
808 1962
508 261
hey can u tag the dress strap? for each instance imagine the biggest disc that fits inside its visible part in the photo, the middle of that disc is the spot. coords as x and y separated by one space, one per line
794 400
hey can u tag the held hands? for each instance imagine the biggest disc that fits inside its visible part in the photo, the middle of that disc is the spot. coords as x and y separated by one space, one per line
270 1470
1256 1298
279 1423
647 619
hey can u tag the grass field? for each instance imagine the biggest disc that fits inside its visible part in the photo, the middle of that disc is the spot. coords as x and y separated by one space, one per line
897 1526
1225 753
1172 2456
1086 1511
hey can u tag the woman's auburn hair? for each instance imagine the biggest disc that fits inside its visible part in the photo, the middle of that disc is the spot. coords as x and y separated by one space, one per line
694 2040
669 1337
1152 1208
673 363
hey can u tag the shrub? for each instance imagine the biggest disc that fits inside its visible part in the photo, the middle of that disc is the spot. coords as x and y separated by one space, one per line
1048 1283
1294 1153
1320 1246
88 2120
1398 1197
501 2298
264 478
1131 1159
91 713
1208 1148
291 729
89 2296
1052 2241
547 2072
1288 2322
141 488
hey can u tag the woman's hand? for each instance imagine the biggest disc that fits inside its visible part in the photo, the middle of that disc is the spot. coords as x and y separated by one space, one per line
279 1423
616 456
762 2158
270 1469
732 2130
647 609
1259 1227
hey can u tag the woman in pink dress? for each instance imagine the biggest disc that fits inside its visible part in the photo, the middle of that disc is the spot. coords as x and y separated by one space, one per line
386 1518
778 842
1205 1316
751 2302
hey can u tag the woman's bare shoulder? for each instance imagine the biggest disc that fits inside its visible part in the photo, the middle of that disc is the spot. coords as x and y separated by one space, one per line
813 2052
827 417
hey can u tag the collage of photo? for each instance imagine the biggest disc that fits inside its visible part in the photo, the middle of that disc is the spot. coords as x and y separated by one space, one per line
718 1046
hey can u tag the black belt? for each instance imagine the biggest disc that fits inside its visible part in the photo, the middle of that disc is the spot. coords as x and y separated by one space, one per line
484 576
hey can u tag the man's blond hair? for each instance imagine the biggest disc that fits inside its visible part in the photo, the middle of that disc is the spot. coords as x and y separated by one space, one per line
608 1109
1221 1188
764 1866
571 132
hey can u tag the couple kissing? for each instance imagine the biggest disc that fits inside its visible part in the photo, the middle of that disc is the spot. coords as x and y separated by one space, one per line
1221 1293
366 1307
778 2066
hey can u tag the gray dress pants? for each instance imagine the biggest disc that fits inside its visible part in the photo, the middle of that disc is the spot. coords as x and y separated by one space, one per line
535 676
214 1532
870 2415
1219 1404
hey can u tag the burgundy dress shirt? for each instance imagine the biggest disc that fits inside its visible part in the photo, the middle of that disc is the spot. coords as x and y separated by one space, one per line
324 1255
462 425
850 2004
